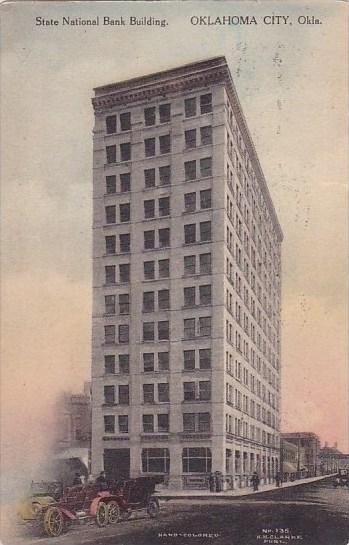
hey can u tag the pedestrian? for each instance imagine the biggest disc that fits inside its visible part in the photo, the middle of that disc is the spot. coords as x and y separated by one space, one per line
212 482
255 481
77 479
101 481
278 480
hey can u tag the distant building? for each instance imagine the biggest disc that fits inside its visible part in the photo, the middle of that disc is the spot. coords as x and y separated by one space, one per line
310 443
293 460
332 459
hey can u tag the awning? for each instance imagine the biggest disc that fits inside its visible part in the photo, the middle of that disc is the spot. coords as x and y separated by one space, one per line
70 453
287 467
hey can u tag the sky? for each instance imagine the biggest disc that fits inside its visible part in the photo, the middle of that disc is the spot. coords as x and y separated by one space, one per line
292 84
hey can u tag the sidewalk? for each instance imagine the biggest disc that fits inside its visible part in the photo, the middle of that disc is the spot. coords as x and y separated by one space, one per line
247 491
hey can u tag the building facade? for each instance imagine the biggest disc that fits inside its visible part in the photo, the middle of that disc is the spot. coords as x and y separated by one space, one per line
309 443
186 283
292 461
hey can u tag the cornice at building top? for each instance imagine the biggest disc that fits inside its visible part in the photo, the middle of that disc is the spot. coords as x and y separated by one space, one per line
192 76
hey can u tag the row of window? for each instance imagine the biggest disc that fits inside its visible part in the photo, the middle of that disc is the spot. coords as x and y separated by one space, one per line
193 264
159 362
159 239
192 391
193 295
159 423
161 114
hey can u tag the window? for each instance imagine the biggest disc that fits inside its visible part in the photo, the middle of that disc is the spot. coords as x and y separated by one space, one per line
190 202
123 333
111 154
163 331
125 151
125 121
149 116
164 206
125 182
125 243
149 208
124 364
206 167
190 107
165 175
148 423
165 113
189 328
205 295
189 264
190 233
110 183
123 423
206 135
149 147
124 272
148 393
163 361
124 303
205 358
206 103
189 359
189 391
148 362
109 423
189 297
164 299
165 143
164 268
110 244
190 170
124 397
149 177
155 460
109 274
204 421
148 301
125 212
205 199
205 231
109 334
204 390
149 270
205 263
109 304
164 238
163 423
163 392
149 240
110 122
109 395
110 214
190 138
189 422
109 364
205 326
148 331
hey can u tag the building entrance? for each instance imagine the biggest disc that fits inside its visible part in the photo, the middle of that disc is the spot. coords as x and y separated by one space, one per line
117 463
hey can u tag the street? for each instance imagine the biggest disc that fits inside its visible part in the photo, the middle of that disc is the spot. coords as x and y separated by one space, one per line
310 514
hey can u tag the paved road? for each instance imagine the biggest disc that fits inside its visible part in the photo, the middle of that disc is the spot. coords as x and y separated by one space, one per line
311 514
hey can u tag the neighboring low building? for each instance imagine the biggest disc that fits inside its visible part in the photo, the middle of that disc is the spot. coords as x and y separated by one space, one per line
293 460
310 443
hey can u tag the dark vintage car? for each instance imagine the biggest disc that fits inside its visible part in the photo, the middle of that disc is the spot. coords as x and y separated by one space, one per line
342 478
88 503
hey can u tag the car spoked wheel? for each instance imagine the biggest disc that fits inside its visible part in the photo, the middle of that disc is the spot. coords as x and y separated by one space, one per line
102 514
53 522
153 508
113 512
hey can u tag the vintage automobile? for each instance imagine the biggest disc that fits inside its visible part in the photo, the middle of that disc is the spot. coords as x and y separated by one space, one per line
41 494
342 478
84 503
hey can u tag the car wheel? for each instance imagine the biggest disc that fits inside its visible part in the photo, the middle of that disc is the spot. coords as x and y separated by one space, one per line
113 512
102 514
53 522
153 508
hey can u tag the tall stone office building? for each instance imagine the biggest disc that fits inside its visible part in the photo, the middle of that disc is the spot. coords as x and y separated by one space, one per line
186 283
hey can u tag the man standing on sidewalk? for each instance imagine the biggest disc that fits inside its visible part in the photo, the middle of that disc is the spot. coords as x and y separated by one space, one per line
255 481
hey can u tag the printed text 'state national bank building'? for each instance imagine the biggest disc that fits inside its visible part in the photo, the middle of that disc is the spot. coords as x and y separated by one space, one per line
186 283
